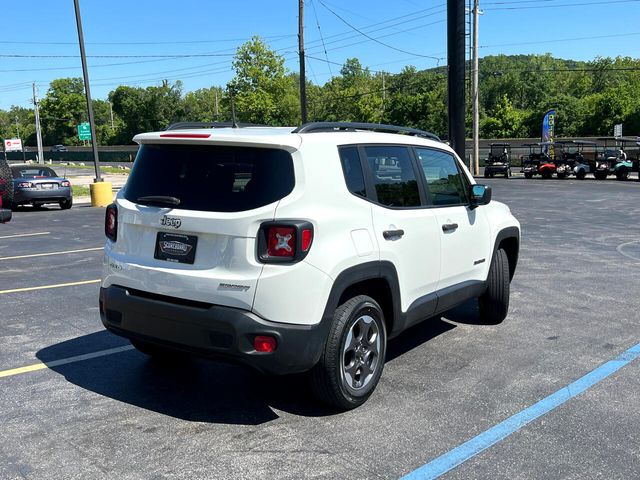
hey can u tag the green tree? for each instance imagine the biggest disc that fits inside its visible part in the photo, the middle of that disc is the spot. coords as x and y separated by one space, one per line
61 110
146 109
262 91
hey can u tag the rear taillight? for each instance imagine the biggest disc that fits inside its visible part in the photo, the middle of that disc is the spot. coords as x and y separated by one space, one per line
288 241
281 241
111 222
65 183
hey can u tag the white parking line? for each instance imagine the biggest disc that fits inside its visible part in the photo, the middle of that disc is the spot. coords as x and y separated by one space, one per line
93 249
44 287
20 235
64 361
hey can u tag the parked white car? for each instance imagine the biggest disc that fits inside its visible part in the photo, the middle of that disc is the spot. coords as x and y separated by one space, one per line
305 249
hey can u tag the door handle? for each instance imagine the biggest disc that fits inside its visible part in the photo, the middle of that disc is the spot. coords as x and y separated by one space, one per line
390 234
449 227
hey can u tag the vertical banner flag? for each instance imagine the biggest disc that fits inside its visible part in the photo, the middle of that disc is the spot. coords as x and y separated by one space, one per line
549 129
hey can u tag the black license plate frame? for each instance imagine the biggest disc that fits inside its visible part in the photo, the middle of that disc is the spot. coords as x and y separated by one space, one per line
176 247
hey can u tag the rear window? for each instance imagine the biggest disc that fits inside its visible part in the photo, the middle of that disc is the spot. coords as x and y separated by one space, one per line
211 178
28 172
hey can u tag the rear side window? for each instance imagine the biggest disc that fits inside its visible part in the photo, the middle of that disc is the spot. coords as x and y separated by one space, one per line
352 169
445 181
212 178
393 176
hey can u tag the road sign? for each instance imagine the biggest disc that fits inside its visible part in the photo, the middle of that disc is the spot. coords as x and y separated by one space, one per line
13 145
84 131
617 130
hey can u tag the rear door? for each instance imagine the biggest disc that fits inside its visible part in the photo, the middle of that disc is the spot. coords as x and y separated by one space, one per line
189 216
464 232
406 231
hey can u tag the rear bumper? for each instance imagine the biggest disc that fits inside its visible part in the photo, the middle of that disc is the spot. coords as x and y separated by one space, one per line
42 196
210 330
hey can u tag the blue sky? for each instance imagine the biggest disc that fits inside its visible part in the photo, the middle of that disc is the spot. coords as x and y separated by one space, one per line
38 38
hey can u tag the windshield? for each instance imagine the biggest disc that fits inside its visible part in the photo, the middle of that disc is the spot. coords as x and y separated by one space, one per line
211 178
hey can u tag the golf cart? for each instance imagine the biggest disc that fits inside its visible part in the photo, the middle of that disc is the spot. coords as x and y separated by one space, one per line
571 159
538 162
612 160
499 160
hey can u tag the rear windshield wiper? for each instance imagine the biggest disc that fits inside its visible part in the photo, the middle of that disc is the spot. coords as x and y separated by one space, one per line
159 200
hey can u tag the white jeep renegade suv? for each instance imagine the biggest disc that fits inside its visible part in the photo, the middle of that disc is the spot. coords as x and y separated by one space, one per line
304 249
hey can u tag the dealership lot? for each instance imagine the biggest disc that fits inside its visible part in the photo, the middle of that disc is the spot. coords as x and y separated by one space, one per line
103 410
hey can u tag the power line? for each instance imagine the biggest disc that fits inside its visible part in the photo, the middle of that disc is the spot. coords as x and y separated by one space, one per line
585 4
315 13
591 37
371 38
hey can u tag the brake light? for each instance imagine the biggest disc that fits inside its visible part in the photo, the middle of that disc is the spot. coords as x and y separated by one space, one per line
286 241
111 222
281 242
65 183
265 343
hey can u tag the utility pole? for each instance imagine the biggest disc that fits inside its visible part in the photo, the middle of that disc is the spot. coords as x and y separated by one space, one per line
87 91
36 108
455 79
215 105
474 92
111 113
303 82
17 128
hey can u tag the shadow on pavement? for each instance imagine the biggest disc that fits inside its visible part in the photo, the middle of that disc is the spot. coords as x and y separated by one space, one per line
201 390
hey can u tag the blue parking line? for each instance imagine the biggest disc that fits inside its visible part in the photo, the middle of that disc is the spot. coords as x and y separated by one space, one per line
470 448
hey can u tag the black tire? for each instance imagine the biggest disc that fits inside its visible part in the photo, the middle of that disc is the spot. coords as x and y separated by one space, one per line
157 352
600 175
546 175
362 317
622 174
6 184
494 302
560 175
528 175
66 204
486 174
580 174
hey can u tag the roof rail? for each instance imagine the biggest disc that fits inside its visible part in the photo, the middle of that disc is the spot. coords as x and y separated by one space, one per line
186 125
353 126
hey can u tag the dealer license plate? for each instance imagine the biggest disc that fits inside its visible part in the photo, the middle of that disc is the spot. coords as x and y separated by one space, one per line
176 247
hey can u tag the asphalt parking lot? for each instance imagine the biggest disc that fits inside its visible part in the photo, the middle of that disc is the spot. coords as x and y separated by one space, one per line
78 402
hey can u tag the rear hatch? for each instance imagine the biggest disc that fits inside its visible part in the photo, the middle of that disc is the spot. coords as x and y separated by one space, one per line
189 216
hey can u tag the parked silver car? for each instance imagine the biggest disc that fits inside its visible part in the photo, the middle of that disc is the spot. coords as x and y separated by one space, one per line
38 185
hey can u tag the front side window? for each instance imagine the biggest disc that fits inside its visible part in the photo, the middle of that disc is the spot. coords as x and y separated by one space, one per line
445 181
393 176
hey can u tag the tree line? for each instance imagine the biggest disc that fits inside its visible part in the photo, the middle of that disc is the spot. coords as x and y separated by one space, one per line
515 92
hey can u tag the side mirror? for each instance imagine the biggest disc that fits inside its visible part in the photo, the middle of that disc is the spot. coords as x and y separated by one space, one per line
5 215
479 195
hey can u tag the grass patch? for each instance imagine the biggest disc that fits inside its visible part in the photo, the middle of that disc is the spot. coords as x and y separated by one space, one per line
91 167
79 191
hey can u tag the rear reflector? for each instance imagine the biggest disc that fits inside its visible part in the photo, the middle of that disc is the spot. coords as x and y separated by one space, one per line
264 343
307 238
185 135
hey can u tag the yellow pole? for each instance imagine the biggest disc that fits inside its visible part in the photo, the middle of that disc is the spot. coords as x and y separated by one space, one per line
101 194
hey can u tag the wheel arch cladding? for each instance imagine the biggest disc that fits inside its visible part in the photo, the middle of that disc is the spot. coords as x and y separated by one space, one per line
378 280
509 240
